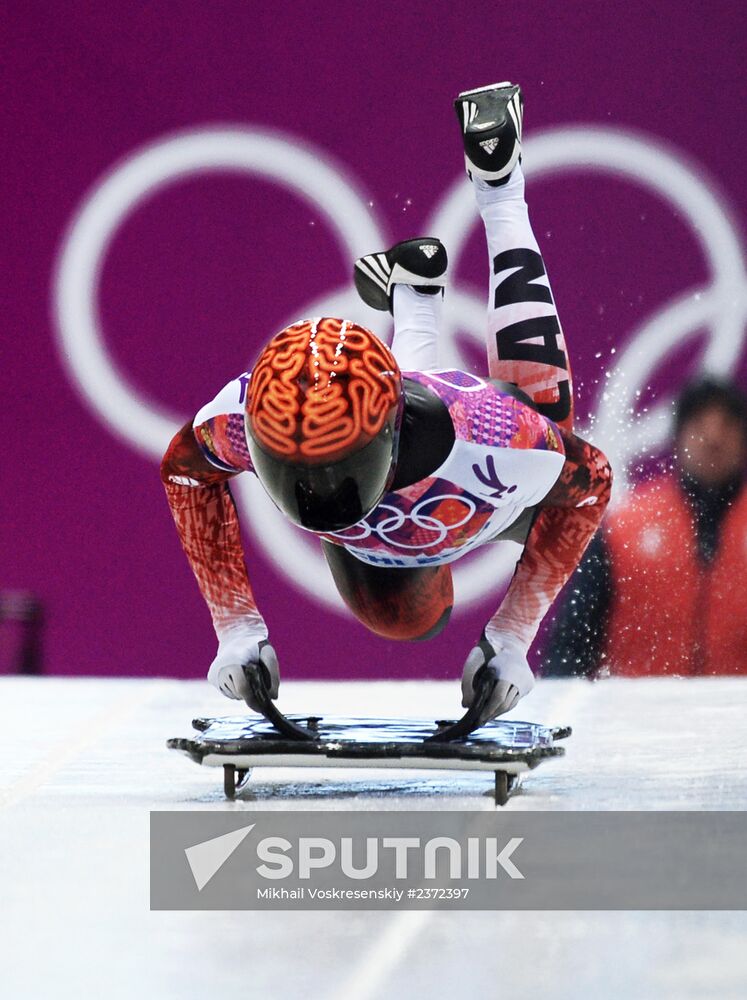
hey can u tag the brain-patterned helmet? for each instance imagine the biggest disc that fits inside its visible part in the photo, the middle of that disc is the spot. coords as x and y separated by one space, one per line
322 418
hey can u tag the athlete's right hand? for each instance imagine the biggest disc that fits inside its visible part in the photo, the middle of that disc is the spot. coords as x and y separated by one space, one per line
237 656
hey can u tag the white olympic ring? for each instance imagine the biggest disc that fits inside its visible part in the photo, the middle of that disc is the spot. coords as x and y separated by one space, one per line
262 154
722 306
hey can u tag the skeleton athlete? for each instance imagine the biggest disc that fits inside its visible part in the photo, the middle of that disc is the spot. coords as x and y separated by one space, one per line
401 467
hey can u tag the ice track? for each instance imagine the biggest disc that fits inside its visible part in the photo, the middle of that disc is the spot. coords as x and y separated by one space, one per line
83 762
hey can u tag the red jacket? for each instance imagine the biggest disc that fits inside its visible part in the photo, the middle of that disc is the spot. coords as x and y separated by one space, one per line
670 612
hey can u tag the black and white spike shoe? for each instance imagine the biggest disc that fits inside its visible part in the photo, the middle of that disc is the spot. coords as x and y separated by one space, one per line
421 263
491 119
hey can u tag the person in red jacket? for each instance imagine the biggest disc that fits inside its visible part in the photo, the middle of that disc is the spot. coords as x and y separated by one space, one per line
663 588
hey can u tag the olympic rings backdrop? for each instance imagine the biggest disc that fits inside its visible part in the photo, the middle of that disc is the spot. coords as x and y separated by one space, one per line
183 181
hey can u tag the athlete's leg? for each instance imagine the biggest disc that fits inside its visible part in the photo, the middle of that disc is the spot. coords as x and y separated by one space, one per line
417 319
408 604
525 341
407 280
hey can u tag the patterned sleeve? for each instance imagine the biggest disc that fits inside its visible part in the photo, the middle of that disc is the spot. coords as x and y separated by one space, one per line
195 470
564 525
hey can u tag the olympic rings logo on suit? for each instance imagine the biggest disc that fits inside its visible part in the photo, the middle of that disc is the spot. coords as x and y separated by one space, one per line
721 307
384 529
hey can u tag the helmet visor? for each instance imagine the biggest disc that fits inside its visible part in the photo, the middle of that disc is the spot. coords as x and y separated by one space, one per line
329 497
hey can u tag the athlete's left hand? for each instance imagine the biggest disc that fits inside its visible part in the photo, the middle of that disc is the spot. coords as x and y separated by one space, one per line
505 657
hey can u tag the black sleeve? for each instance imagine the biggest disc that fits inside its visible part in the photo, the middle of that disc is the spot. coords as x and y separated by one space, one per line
575 642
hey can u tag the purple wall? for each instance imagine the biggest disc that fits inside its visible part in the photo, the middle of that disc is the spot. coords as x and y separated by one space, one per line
201 273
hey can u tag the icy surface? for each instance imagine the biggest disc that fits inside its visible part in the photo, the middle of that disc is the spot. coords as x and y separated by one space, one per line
83 762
